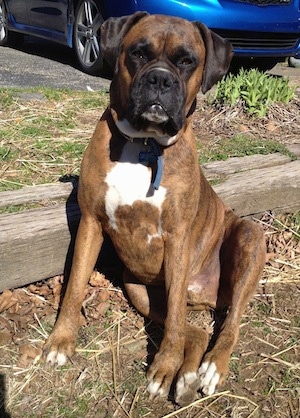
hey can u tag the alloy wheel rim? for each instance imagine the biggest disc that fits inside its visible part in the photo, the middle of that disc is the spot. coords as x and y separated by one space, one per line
88 25
3 29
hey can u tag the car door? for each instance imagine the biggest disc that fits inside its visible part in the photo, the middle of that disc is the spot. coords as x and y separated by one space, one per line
18 10
48 14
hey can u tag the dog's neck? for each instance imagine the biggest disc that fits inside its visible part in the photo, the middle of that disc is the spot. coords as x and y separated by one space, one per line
129 132
152 155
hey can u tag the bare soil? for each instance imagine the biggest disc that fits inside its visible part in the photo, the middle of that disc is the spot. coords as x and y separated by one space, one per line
106 377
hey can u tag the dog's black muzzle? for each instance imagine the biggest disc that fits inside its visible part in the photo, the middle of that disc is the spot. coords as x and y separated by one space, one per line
157 98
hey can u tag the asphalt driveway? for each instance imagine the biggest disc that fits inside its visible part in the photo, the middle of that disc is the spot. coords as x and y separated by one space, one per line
42 63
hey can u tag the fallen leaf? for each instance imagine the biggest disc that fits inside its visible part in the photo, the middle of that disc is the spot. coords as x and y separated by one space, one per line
23 361
269 256
271 126
103 295
244 128
98 279
5 337
7 300
102 308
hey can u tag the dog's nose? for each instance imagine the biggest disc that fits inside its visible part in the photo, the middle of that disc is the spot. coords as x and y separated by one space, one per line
160 80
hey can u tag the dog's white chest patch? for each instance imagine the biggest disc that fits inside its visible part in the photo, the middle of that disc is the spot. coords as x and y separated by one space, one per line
130 181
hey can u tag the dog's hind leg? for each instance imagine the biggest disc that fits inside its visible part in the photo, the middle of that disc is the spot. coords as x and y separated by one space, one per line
242 258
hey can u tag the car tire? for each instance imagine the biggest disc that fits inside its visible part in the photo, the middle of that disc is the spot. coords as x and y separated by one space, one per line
294 61
86 36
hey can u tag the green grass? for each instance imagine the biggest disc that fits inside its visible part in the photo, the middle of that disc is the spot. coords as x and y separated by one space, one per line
240 146
19 208
6 153
44 132
7 97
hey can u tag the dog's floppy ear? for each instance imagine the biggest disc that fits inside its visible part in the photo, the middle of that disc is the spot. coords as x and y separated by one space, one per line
219 53
112 32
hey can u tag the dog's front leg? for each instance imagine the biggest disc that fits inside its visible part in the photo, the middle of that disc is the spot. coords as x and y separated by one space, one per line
62 341
170 356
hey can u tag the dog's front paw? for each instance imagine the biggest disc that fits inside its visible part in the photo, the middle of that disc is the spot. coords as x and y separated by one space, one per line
209 377
54 357
162 372
186 388
58 348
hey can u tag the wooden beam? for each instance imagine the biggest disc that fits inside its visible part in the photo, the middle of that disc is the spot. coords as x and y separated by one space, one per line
35 194
253 192
34 244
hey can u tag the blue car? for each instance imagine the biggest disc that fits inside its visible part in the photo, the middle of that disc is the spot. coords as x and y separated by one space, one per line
262 32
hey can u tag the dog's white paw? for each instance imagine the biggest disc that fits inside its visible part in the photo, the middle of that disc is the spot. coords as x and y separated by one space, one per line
155 389
56 358
186 388
208 377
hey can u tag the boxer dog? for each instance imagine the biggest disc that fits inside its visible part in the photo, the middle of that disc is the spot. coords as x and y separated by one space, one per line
141 184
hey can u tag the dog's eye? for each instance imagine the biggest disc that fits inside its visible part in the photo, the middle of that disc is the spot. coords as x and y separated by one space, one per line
184 62
139 54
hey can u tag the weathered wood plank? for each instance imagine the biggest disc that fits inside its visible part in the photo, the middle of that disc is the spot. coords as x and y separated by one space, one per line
249 162
271 188
34 244
33 194
239 164
294 148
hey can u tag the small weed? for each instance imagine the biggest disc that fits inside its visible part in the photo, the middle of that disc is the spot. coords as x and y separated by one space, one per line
6 98
289 379
255 90
264 308
258 324
270 386
296 321
6 153
143 412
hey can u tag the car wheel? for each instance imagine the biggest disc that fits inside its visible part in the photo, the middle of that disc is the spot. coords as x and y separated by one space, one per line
294 61
7 37
3 25
86 36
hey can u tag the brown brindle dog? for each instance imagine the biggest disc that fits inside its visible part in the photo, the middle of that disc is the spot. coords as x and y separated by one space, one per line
141 184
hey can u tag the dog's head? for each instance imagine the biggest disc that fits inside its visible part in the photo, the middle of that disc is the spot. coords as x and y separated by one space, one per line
160 63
